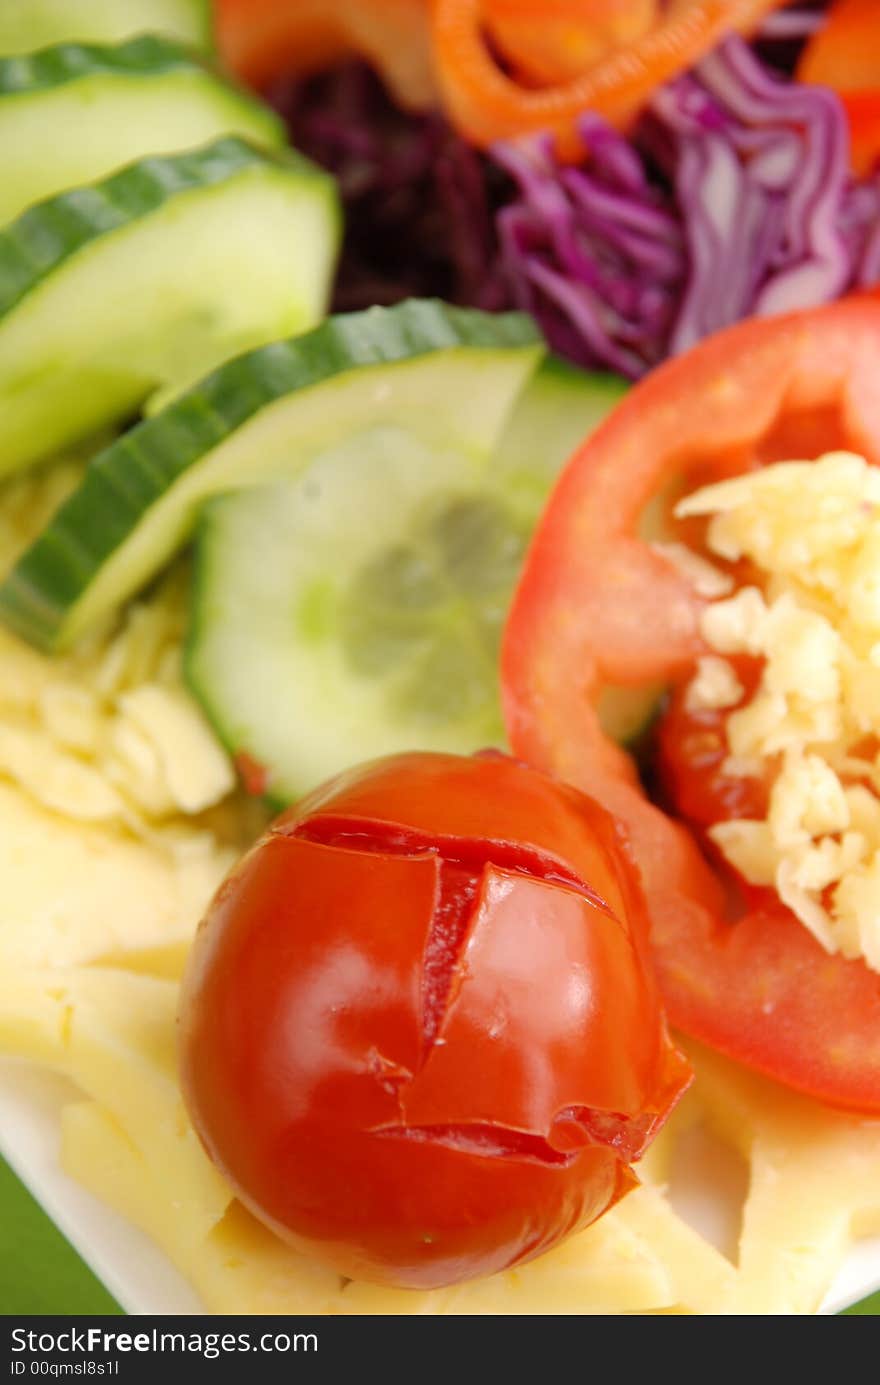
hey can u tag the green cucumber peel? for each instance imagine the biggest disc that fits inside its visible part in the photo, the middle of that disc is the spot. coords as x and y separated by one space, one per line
26 74
45 237
259 417
109 106
104 303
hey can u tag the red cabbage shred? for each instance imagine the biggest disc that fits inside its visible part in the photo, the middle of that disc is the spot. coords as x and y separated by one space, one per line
419 202
732 197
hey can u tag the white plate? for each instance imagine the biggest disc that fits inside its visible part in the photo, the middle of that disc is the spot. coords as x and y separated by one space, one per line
144 1281
138 1275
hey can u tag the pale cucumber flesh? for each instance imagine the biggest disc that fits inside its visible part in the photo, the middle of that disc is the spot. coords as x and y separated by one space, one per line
561 407
369 621
358 611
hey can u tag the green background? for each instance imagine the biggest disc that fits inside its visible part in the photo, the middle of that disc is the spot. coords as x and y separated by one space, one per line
40 1273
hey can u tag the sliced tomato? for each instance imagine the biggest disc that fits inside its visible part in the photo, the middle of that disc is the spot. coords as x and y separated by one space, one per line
845 55
264 39
599 607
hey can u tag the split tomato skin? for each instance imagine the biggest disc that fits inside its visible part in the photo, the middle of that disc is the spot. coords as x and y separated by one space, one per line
416 1040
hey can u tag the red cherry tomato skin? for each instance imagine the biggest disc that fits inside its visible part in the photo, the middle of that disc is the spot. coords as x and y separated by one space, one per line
428 1058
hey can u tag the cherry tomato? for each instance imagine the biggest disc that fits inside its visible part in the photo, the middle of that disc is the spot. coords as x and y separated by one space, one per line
419 1032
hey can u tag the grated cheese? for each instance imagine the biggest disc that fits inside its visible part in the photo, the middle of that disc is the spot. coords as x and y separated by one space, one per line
715 685
813 531
108 732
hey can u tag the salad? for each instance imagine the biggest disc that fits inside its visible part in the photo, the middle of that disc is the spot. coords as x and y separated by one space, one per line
451 426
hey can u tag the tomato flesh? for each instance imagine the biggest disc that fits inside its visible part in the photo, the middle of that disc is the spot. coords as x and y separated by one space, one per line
691 748
599 606
421 1049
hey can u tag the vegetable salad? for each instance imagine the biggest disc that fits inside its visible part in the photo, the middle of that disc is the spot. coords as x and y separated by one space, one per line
539 590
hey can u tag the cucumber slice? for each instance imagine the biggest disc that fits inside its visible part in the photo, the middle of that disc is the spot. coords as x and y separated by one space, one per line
148 279
554 415
446 376
560 407
108 106
29 24
370 623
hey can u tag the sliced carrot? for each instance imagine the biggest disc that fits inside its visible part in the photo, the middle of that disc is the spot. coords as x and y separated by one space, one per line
555 40
845 52
487 105
264 39
259 38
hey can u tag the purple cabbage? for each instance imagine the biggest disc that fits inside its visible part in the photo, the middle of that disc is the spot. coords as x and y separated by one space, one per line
734 199
419 201
597 254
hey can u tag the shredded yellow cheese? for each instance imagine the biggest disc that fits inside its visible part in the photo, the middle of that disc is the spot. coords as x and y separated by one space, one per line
107 733
813 531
